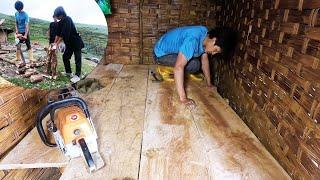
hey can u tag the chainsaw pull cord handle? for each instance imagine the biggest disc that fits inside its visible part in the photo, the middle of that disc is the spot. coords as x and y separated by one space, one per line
54 106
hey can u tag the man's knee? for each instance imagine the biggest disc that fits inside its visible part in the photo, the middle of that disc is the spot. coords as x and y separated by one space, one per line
193 66
167 60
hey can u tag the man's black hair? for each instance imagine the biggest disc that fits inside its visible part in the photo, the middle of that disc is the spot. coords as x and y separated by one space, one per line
227 39
59 11
18 5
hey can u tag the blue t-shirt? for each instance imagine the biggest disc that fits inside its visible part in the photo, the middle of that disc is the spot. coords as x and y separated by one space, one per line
22 19
188 40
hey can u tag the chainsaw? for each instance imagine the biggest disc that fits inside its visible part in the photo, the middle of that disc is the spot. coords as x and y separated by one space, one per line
70 125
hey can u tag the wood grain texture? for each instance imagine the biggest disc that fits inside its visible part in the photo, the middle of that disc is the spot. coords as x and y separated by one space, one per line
210 142
33 174
172 147
119 125
32 153
233 150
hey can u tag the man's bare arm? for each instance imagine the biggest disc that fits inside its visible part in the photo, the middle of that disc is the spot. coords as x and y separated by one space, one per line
179 75
16 25
57 40
206 68
179 79
26 31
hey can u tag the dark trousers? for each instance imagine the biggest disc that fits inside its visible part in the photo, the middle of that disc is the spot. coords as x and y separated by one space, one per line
77 57
27 41
192 66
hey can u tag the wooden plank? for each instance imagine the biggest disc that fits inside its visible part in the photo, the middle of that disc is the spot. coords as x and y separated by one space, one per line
119 126
32 153
211 142
34 174
233 150
171 148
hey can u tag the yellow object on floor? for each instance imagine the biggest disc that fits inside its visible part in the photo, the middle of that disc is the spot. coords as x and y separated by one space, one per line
196 77
166 72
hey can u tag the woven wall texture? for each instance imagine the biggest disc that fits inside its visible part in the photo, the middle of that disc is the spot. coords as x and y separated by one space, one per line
18 108
135 25
274 80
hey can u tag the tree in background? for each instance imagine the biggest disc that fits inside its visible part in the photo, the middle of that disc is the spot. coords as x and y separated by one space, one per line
105 6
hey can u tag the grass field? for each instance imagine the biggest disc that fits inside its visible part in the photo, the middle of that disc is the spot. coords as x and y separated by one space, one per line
94 37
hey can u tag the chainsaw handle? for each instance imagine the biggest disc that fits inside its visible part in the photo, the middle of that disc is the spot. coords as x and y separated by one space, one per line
54 106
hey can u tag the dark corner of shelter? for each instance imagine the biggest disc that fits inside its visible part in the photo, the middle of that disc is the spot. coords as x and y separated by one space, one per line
168 89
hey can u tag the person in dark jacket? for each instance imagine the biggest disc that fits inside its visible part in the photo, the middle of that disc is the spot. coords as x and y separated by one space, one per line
68 33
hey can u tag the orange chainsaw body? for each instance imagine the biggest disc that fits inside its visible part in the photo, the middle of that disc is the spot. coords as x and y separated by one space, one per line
73 124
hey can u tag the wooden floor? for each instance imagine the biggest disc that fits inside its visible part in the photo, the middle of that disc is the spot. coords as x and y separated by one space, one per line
145 133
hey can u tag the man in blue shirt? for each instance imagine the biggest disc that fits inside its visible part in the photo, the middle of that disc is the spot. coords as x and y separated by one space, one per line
22 29
187 48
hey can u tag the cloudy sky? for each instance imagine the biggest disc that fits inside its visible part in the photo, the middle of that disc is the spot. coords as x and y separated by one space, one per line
81 11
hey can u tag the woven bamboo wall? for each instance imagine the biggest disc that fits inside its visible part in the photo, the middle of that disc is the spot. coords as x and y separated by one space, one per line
18 108
135 25
274 80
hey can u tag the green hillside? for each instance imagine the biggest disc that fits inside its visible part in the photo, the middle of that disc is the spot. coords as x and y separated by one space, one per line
94 36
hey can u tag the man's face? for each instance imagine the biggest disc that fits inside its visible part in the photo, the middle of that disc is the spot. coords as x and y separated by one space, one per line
59 18
211 48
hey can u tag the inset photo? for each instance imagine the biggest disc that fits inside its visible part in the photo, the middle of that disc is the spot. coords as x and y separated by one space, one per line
52 44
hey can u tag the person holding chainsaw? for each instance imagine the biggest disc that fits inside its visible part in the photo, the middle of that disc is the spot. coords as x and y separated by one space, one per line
68 33
22 31
185 50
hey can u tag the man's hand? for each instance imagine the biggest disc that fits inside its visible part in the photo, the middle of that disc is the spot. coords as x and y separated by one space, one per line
18 35
53 47
189 103
212 87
